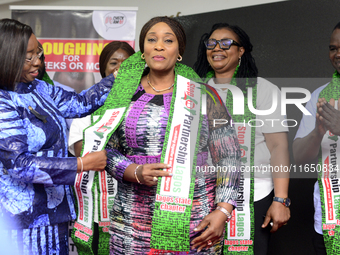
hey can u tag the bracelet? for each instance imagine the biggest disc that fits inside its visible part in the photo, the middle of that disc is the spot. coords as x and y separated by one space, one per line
229 216
136 175
81 163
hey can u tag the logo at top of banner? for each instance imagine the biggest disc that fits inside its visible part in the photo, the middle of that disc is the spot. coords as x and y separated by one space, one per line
115 25
114 20
189 101
333 137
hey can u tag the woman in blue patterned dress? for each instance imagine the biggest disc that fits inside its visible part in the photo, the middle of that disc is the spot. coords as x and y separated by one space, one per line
36 200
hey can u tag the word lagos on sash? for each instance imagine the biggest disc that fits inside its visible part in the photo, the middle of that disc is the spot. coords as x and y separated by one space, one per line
328 179
108 190
108 186
239 227
94 140
330 147
239 224
178 153
239 237
175 194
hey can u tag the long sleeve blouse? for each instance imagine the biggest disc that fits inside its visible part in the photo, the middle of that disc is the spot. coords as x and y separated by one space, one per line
34 169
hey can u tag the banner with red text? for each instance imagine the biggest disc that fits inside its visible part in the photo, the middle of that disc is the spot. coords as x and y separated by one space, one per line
74 37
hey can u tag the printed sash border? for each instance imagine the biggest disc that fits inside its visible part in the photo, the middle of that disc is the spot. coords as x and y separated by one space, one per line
95 138
242 246
171 230
120 95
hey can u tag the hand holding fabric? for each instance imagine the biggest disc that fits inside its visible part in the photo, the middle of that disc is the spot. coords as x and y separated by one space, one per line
95 161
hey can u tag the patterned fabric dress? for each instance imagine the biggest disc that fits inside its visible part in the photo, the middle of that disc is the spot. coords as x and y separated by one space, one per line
139 139
35 199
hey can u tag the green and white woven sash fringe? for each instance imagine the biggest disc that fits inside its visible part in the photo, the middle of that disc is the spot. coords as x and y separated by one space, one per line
239 233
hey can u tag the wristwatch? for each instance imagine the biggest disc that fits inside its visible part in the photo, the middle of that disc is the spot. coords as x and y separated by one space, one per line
285 201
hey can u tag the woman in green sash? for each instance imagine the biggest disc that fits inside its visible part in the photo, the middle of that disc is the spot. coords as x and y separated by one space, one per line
225 61
144 220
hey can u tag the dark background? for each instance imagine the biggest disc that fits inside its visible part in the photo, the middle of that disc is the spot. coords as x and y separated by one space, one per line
290 42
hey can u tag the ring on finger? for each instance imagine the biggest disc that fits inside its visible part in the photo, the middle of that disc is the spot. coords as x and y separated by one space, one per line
155 179
209 242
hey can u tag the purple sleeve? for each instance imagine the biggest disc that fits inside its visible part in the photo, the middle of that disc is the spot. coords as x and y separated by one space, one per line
116 163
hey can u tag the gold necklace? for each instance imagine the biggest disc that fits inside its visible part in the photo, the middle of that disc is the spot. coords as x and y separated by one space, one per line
158 91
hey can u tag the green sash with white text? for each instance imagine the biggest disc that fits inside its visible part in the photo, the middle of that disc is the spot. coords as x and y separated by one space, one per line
96 137
239 232
329 177
171 220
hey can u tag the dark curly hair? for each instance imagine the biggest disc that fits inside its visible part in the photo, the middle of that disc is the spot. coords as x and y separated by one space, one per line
247 69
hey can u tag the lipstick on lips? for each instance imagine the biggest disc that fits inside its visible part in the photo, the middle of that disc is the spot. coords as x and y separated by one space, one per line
158 58
34 73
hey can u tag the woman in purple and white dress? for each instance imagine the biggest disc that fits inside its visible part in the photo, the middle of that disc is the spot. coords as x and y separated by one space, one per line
134 150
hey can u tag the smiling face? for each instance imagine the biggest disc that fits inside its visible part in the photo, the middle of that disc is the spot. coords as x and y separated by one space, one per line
30 69
161 48
224 62
334 49
115 61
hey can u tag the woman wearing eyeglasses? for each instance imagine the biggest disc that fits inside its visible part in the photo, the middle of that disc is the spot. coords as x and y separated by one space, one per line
35 197
224 61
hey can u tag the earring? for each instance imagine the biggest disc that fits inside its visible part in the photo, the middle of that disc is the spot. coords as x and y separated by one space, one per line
239 62
179 59
142 56
115 73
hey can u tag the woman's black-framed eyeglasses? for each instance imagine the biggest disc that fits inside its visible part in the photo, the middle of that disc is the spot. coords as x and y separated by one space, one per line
225 44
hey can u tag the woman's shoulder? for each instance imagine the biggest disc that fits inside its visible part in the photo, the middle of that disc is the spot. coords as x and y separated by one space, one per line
41 83
266 90
186 72
44 88
7 100
265 84
5 93
24 88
